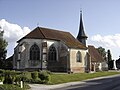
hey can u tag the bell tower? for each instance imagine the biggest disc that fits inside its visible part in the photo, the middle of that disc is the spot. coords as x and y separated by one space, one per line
81 35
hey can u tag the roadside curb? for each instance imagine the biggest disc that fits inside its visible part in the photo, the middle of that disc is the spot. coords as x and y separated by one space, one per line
102 77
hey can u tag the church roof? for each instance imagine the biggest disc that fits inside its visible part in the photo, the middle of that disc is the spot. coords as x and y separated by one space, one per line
95 56
51 34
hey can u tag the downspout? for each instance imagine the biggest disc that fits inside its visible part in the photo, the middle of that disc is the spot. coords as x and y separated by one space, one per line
68 61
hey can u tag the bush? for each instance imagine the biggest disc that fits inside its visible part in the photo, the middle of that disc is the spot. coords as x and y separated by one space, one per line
35 81
8 78
18 79
13 76
1 78
23 78
9 87
34 75
1 75
13 87
44 76
2 71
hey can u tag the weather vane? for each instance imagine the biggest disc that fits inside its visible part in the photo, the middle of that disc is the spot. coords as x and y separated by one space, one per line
81 10
38 24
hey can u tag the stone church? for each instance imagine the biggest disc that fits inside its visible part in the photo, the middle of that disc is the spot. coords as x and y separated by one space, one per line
53 50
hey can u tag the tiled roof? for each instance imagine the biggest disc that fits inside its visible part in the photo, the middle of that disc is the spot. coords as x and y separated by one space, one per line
51 34
95 56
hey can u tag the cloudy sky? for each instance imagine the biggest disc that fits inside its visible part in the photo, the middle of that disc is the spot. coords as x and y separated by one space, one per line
101 20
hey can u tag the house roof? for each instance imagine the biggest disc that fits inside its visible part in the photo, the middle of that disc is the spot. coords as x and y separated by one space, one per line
95 56
46 33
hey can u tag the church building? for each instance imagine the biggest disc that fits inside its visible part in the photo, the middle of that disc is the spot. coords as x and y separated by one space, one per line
53 50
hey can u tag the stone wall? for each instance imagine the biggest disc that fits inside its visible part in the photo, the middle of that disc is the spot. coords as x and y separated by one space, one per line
77 66
65 61
23 51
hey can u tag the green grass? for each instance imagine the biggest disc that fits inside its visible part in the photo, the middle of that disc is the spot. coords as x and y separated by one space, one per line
64 78
13 87
10 87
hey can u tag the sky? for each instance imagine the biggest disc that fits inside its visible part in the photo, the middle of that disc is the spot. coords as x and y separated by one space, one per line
101 20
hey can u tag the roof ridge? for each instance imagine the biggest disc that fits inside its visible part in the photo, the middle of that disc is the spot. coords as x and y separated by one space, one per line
58 30
41 32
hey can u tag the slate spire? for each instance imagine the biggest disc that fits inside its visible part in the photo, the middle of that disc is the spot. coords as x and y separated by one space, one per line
81 35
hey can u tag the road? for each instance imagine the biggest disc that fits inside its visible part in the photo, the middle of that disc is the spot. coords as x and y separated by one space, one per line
112 83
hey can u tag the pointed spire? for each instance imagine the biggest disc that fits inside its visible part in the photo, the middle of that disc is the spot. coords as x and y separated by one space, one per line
81 35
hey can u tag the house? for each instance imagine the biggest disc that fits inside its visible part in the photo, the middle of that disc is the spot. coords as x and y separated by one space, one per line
97 63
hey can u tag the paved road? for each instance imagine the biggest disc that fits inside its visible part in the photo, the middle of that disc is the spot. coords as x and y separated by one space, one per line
111 83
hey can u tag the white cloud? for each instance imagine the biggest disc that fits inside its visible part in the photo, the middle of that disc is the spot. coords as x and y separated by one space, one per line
12 33
111 42
108 40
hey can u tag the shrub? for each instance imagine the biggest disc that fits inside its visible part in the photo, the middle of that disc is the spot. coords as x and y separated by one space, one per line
13 76
44 76
23 78
8 78
9 87
38 81
34 75
1 71
13 87
1 78
1 75
18 79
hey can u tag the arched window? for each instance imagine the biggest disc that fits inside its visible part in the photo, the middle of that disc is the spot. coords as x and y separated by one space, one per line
34 52
52 55
78 56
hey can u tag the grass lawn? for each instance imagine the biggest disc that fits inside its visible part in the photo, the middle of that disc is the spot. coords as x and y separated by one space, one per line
64 78
13 87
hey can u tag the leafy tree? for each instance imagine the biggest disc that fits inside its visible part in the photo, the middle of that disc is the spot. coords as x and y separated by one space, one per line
3 51
102 52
